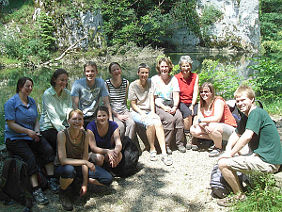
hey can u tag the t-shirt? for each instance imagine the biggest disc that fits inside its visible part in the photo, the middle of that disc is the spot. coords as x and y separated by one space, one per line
118 96
23 115
266 142
89 98
105 142
55 109
186 87
140 94
164 92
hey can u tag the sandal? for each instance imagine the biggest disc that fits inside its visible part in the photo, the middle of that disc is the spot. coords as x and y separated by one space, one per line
167 160
153 155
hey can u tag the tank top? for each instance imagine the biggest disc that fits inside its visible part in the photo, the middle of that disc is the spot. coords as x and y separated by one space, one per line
117 95
73 150
227 117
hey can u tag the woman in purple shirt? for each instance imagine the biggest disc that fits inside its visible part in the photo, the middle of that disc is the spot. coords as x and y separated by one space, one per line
105 141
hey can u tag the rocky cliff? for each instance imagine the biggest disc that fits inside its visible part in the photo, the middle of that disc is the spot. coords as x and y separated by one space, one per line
238 28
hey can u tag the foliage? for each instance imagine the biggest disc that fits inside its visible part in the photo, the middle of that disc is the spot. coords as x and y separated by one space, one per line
46 30
210 15
267 79
264 196
224 78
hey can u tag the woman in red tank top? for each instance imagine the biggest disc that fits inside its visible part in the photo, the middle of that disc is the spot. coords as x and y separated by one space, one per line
215 121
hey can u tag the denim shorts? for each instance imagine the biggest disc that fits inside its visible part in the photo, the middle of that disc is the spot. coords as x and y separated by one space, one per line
150 119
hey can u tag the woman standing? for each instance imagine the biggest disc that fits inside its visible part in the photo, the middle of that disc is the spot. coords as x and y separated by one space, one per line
215 120
105 141
23 138
166 100
56 105
72 160
118 89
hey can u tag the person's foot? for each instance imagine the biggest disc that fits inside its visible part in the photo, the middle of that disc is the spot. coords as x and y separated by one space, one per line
167 160
65 200
168 150
215 152
153 155
188 137
194 147
40 197
181 148
53 185
231 200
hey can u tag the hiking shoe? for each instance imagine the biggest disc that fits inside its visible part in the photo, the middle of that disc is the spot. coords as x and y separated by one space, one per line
215 152
181 148
39 197
153 155
168 151
188 137
167 160
53 185
65 200
194 147
211 148
231 200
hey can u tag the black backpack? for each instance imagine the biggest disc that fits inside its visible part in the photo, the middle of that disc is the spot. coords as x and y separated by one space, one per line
130 156
220 188
15 183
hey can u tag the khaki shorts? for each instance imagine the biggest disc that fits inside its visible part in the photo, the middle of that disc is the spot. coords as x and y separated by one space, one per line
250 163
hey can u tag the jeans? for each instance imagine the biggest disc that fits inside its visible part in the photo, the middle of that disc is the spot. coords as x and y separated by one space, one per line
69 171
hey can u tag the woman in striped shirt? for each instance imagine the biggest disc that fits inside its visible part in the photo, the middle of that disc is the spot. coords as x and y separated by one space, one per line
118 88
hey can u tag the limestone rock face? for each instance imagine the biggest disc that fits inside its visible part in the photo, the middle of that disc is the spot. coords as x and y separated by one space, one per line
237 28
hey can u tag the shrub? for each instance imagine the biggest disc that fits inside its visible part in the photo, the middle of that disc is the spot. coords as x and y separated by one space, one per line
225 79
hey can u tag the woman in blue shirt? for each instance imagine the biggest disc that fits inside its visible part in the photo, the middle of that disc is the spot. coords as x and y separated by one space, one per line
23 138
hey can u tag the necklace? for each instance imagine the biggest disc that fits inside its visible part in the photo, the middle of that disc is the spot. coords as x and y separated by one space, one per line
74 139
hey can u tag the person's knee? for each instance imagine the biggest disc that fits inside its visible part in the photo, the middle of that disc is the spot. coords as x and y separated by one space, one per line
99 161
222 164
68 172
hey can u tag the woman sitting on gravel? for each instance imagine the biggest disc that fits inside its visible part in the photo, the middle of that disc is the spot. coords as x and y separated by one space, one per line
214 121
72 160
104 142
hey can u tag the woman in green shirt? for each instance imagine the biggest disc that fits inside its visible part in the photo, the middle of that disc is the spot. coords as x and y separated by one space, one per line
56 104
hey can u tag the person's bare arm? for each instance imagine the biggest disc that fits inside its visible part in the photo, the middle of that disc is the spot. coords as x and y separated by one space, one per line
75 102
107 104
20 129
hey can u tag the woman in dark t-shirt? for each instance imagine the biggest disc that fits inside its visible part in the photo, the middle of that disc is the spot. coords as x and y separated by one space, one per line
104 141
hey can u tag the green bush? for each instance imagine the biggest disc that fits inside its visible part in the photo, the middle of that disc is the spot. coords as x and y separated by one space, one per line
264 196
224 78
267 79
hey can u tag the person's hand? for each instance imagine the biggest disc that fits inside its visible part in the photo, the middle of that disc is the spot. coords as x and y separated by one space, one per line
143 115
167 109
34 135
91 166
113 156
83 190
192 109
225 155
122 117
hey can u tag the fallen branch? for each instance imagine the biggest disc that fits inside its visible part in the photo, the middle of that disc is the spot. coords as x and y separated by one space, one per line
65 52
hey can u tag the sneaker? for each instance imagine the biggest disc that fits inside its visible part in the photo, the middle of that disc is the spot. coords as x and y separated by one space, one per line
211 148
181 148
194 147
153 155
53 185
39 197
215 152
167 160
65 200
168 151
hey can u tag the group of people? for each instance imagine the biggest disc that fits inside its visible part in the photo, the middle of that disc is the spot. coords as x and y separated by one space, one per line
80 131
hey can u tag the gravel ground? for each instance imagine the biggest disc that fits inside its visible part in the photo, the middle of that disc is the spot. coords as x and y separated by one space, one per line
184 186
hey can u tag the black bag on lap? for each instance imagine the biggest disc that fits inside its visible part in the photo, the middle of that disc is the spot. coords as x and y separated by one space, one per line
15 182
130 156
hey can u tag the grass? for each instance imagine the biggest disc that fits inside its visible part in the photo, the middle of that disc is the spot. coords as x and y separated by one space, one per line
263 196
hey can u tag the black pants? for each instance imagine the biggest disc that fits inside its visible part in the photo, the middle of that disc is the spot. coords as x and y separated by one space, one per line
51 136
35 154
